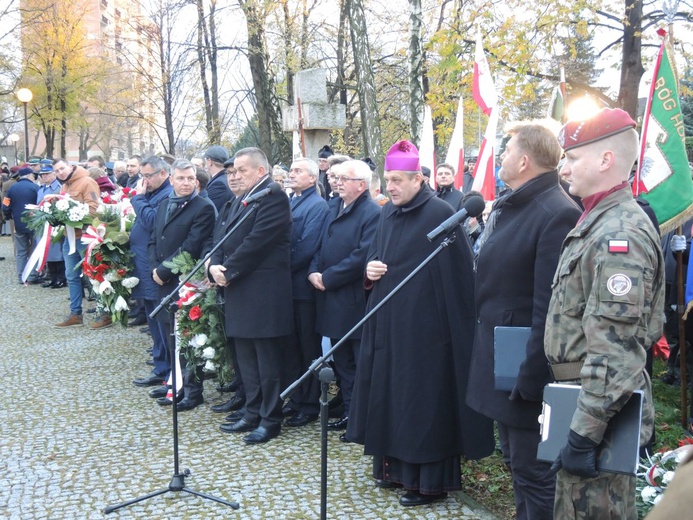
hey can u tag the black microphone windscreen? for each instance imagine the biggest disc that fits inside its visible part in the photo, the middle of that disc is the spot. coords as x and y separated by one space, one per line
274 187
475 206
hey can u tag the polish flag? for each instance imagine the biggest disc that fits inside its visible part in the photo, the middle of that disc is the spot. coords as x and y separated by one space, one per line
455 154
484 92
427 153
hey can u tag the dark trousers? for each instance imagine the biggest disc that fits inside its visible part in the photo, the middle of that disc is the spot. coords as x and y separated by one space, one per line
231 345
56 271
534 490
159 330
303 348
346 358
260 361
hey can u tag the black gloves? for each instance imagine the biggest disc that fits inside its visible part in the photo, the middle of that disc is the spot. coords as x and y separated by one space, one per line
578 457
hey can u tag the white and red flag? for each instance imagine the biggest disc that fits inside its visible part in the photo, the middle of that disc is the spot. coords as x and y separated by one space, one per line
485 96
427 153
455 154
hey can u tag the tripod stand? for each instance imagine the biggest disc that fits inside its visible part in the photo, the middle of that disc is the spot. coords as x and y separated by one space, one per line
177 483
320 368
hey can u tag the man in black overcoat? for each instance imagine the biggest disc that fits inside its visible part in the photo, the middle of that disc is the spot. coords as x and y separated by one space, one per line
445 178
408 404
517 258
182 223
253 266
337 271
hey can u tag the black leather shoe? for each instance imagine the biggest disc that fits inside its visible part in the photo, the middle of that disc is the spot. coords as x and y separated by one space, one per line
138 321
229 406
387 484
149 350
343 438
58 285
235 416
301 419
228 387
287 411
159 392
150 380
188 404
162 401
47 284
414 498
149 362
239 426
144 330
262 434
338 425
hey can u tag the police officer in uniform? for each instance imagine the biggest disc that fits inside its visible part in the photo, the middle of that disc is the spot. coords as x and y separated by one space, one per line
606 310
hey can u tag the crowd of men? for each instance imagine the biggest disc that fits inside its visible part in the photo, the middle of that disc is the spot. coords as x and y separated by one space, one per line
582 268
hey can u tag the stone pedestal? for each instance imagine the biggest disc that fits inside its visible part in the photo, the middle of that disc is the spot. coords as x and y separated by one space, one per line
319 116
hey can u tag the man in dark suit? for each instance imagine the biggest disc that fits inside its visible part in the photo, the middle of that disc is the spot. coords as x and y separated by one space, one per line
253 266
308 213
182 223
445 178
517 257
337 270
217 187
156 181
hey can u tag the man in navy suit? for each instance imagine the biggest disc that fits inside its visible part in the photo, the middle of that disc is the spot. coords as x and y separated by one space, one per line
253 266
182 223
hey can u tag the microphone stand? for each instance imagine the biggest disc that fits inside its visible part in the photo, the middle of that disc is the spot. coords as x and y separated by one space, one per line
178 480
320 368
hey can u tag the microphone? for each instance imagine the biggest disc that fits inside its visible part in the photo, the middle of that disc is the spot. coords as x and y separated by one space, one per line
271 188
472 208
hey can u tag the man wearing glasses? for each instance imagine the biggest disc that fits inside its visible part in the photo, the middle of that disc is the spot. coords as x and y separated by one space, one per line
153 189
337 270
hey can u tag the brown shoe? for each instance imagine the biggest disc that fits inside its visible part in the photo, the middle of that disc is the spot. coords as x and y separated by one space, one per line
101 322
74 320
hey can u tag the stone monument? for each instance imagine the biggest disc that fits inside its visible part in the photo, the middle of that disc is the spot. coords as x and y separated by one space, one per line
319 116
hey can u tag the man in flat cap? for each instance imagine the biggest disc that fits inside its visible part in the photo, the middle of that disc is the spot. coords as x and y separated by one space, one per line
606 310
217 189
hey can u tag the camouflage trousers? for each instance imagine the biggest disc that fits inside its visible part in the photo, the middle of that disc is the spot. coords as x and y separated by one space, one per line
609 496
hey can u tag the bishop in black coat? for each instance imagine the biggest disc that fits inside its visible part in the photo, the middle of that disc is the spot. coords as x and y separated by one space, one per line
408 407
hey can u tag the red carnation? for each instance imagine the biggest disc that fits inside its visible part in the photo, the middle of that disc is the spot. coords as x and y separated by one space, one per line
107 199
126 190
195 313
121 272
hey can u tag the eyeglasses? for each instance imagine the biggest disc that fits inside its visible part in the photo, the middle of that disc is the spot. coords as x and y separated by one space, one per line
343 179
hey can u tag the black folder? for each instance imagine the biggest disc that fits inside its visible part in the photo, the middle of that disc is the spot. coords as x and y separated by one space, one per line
509 351
619 450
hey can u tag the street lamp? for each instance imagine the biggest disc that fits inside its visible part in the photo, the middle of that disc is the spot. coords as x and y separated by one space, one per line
14 138
25 95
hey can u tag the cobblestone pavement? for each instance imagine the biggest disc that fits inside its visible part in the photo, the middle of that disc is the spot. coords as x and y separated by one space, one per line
76 435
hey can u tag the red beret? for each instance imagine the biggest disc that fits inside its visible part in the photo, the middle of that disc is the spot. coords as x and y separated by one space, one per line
605 123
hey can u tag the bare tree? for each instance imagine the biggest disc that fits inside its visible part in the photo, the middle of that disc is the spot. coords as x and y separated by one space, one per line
416 94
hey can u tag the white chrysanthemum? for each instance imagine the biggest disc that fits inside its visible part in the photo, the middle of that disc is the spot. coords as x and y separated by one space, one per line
130 282
208 353
648 494
106 288
200 339
62 205
47 207
668 476
209 366
121 304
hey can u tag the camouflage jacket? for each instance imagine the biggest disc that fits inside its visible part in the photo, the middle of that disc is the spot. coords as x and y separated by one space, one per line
607 309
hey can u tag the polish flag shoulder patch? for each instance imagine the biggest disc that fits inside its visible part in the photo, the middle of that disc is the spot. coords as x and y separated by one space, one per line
618 246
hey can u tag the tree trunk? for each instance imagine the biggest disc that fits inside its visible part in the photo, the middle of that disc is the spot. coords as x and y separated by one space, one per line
258 70
215 137
416 96
202 44
631 68
288 52
341 60
370 118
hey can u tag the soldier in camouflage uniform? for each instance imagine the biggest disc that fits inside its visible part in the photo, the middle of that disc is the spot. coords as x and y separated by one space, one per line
606 310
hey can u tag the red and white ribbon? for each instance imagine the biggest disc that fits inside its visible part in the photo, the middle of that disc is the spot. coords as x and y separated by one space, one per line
92 237
40 254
